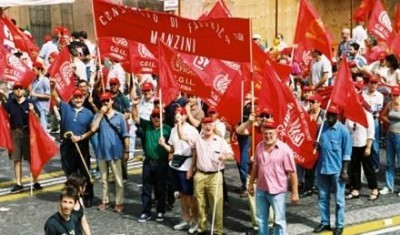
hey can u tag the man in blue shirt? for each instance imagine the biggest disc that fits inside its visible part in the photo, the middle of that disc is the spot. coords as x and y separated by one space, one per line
76 119
334 155
112 149
40 93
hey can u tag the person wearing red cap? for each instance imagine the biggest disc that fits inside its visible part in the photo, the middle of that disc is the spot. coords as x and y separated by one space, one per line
307 92
113 148
220 127
181 171
17 108
116 71
377 67
211 152
334 155
374 52
76 119
391 116
375 100
52 57
155 164
40 93
47 48
317 115
362 139
273 167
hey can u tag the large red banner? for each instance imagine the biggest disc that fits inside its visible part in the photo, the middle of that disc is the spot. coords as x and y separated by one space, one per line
14 69
227 38
380 24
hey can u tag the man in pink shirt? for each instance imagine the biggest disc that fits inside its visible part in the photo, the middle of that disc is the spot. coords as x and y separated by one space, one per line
273 166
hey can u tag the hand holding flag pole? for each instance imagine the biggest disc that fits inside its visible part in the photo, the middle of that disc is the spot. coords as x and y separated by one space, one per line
321 126
68 135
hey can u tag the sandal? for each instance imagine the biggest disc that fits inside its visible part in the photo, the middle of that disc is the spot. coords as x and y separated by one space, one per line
351 196
373 197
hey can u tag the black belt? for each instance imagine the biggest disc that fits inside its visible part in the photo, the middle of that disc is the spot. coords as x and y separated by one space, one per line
20 128
208 172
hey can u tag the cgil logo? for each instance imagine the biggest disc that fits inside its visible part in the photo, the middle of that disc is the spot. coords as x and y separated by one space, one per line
221 83
144 52
384 19
120 41
66 72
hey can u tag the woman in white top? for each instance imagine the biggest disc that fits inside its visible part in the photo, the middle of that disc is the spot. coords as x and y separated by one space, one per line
392 77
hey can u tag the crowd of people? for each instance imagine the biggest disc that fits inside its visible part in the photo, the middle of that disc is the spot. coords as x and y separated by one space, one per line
184 142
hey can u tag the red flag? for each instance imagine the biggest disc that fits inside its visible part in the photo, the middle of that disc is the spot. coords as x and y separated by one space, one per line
344 95
310 31
295 127
395 45
363 11
283 70
143 60
230 37
21 41
325 93
380 24
42 147
61 70
219 10
116 48
177 68
14 69
5 135
396 24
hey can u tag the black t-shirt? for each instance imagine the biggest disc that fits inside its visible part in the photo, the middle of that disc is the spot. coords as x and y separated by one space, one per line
19 113
56 225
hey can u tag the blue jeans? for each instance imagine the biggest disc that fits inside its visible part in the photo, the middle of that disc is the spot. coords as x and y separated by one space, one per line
326 184
244 145
375 145
263 201
392 151
43 118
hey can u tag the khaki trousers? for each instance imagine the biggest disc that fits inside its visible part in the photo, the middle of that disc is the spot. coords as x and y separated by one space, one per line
116 169
205 191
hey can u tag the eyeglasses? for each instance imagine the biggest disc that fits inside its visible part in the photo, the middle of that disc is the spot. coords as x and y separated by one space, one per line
264 115
155 116
18 88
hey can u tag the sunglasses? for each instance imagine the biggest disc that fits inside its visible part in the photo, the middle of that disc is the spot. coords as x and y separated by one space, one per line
312 101
264 115
18 88
155 116
105 101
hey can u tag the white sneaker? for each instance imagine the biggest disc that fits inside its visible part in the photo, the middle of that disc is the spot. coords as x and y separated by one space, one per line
193 228
385 190
160 217
182 225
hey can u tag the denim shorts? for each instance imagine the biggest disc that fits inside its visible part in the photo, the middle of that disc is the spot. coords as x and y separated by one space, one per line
180 183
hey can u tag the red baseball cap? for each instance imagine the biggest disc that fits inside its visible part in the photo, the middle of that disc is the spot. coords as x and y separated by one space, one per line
307 88
395 90
114 81
374 79
105 96
77 93
316 98
212 109
54 54
263 110
382 55
37 65
333 108
147 86
207 120
180 110
270 124
155 111
17 84
359 85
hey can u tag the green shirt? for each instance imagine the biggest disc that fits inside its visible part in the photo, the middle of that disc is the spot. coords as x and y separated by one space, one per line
152 150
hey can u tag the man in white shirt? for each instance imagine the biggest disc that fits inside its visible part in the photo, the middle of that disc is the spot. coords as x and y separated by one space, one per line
375 100
360 35
321 70
116 71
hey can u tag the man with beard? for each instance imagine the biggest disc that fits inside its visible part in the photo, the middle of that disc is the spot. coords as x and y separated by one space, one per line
76 119
64 222
334 155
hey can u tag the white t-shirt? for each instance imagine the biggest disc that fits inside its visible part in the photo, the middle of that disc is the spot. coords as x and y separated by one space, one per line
116 71
318 68
182 147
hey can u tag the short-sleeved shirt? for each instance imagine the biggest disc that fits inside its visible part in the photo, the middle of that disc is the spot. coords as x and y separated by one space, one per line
319 68
111 147
77 121
19 113
374 99
145 108
41 86
116 71
151 148
274 167
208 150
182 147
335 148
57 225
47 49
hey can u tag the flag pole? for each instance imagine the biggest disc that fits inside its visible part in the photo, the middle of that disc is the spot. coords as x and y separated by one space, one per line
98 50
159 89
252 88
276 17
322 124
